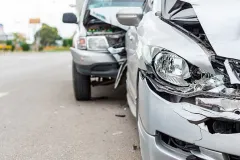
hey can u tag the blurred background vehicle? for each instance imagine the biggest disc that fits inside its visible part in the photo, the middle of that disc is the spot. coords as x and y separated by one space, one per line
99 56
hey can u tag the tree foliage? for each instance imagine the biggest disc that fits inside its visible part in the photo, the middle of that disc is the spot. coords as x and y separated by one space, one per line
67 42
19 38
48 35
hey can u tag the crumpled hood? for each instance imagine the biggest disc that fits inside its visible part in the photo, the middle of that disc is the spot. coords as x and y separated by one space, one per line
108 15
220 20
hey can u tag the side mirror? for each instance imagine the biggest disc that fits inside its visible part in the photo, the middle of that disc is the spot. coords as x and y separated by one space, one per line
69 18
130 16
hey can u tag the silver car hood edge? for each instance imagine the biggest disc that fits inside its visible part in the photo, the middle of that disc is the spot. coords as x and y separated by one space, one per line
108 15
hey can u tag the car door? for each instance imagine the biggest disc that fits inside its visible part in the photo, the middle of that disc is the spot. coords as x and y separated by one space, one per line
132 40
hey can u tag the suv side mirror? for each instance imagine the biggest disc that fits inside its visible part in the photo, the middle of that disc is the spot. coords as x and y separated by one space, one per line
130 16
69 18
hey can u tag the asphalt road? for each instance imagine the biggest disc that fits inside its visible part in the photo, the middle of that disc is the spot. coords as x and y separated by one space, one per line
40 119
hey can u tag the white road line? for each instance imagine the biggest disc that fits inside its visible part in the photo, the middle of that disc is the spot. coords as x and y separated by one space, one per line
3 94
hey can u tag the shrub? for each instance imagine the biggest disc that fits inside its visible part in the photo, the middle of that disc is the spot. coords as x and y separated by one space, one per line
13 48
9 43
67 42
70 42
40 48
25 47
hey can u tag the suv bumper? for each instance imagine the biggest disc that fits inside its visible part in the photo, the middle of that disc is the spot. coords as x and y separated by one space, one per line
100 64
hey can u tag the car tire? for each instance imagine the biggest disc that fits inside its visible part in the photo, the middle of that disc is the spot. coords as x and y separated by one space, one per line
81 85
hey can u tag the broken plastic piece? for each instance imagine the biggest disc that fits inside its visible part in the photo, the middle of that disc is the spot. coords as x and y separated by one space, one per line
231 74
116 50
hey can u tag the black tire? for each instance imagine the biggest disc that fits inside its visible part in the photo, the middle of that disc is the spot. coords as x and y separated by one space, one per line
81 85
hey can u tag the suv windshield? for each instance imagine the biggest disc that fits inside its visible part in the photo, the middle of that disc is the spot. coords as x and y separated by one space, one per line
114 3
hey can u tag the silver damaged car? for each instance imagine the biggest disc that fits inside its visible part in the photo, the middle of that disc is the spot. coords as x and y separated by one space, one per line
99 56
183 78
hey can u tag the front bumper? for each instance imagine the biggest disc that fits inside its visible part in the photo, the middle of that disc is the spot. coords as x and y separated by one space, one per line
100 64
159 115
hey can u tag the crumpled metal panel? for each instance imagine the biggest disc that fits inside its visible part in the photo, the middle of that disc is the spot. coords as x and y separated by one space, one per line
108 15
173 40
224 105
221 26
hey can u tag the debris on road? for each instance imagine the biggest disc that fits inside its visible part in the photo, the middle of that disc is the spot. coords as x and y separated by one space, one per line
135 147
120 115
117 133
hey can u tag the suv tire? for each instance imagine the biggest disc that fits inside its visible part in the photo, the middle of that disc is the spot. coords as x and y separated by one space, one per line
81 85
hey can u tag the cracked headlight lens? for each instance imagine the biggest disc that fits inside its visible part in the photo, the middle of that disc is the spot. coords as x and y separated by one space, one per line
172 68
97 43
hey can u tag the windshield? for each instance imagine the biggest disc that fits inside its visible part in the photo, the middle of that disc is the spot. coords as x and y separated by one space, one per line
114 3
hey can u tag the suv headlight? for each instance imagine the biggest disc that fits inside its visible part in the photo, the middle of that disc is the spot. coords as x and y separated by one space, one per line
171 68
97 43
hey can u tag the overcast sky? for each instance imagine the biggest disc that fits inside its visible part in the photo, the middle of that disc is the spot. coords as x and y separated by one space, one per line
15 14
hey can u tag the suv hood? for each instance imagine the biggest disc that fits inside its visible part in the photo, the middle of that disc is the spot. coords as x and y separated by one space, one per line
108 15
220 20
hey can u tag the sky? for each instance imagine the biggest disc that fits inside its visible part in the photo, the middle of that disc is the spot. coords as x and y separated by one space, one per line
15 15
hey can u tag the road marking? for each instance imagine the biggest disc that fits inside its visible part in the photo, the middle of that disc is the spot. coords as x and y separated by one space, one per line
3 94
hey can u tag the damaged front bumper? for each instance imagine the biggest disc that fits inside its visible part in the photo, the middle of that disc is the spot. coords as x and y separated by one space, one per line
94 63
179 131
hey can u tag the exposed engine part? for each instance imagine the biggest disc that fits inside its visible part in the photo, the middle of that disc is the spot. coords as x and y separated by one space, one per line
222 126
114 35
219 104
197 30
96 26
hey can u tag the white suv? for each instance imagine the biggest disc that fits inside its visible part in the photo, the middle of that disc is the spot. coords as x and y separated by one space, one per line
99 44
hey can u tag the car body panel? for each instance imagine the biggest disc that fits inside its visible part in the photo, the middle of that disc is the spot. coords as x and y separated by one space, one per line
158 33
225 41
132 60
183 120
84 57
157 114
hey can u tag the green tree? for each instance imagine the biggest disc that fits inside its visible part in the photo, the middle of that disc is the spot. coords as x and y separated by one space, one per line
48 35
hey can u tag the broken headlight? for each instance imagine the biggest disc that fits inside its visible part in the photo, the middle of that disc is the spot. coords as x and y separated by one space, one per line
171 68
97 43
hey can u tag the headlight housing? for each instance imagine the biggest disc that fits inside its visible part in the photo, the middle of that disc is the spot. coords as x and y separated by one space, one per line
97 43
171 68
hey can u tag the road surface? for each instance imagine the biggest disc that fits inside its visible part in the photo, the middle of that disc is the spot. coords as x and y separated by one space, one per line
40 119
